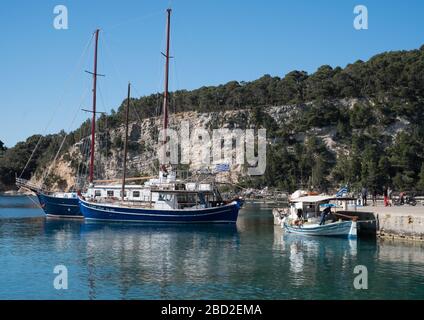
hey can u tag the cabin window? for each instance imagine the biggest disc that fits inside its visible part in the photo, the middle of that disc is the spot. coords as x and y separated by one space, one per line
180 186
162 197
125 194
110 193
97 193
136 194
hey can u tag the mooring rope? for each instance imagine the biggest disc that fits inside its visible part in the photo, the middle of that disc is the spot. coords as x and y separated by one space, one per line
33 201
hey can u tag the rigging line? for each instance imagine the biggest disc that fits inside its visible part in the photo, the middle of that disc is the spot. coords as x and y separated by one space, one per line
172 101
170 4
71 76
107 147
131 20
121 82
83 140
84 158
115 69
78 110
102 100
35 202
79 162
134 109
57 154
118 74
161 71
176 77
138 116
105 124
105 128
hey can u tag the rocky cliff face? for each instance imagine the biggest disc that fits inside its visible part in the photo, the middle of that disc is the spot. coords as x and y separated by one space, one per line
144 136
144 145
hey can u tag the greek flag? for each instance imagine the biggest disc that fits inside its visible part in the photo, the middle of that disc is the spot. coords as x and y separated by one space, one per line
342 191
222 167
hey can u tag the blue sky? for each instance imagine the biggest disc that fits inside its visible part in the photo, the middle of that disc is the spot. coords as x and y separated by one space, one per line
214 41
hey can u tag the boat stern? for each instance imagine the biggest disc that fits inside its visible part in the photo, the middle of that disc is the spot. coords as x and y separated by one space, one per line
353 232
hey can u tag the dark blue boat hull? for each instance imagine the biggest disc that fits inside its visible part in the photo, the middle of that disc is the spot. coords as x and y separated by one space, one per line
59 207
222 214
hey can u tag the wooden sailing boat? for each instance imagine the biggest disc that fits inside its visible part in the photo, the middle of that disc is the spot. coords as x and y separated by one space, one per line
172 205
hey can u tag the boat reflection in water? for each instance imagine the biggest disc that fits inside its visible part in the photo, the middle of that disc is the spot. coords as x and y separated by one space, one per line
147 261
254 260
314 257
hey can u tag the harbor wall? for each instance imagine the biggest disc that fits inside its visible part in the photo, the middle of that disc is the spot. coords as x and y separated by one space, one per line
400 225
396 222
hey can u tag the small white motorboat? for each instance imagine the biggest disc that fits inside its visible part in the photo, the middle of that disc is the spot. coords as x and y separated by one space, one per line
305 217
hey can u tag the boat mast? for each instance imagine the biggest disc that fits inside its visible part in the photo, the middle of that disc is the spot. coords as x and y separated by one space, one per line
166 93
126 142
93 121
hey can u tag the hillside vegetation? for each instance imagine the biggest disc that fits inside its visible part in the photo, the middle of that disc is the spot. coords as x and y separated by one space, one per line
362 125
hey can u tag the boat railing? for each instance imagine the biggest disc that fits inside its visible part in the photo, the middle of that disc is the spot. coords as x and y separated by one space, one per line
23 183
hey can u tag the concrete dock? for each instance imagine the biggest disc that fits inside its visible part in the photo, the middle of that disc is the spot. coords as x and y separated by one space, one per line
398 222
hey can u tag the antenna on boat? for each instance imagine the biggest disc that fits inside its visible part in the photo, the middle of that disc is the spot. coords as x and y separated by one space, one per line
126 142
166 93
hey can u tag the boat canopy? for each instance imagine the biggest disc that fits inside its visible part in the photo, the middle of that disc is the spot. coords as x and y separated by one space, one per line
319 199
313 199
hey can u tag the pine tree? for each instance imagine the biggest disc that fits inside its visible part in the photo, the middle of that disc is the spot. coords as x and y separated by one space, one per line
420 184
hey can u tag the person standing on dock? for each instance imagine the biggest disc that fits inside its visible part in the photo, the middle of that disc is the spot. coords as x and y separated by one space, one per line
389 195
402 198
374 197
386 197
364 194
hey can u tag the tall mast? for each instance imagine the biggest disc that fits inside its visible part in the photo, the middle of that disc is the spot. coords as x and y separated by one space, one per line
93 121
166 93
126 142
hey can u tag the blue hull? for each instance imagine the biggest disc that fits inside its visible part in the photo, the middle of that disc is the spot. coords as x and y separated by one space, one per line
59 207
223 214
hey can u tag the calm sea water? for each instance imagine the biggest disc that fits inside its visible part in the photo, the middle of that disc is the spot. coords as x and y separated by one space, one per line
253 260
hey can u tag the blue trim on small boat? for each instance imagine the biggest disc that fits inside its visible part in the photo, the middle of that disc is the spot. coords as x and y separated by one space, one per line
337 229
59 207
103 212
